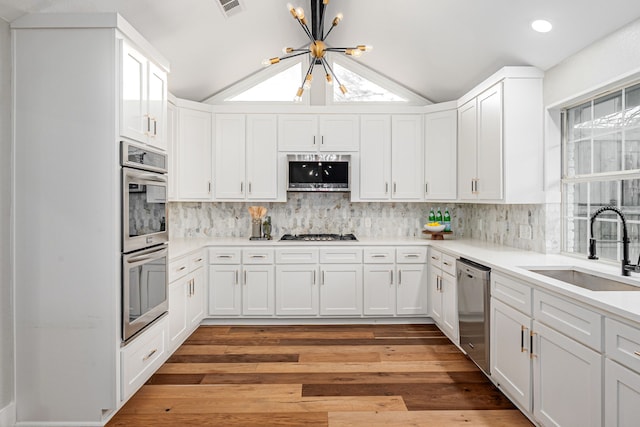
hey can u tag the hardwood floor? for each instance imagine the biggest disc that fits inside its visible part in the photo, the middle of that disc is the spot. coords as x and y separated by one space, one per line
364 375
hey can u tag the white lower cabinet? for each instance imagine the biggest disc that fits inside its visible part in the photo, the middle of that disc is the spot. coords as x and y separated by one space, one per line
341 289
443 293
224 290
186 297
567 380
297 290
177 311
411 292
195 298
621 395
258 292
379 290
510 359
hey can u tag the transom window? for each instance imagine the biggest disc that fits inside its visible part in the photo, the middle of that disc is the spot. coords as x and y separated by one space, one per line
601 167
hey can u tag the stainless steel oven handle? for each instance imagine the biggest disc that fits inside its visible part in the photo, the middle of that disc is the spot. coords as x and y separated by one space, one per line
147 256
152 177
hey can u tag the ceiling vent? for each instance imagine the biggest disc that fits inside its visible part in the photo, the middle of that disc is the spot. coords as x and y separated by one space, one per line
230 7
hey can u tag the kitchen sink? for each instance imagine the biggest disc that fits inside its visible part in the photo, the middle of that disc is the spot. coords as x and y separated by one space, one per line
584 279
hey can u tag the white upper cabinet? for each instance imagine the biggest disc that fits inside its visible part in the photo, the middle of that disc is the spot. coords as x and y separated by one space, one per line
262 157
309 133
500 142
143 98
440 143
246 157
375 154
194 153
406 157
391 157
230 156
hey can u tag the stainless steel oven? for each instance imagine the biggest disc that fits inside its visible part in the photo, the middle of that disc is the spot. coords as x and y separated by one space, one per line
144 198
144 238
144 288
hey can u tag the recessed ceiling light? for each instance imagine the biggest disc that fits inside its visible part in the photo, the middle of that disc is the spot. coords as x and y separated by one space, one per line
541 25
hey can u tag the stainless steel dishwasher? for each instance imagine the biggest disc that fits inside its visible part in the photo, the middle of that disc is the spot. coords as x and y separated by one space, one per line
473 310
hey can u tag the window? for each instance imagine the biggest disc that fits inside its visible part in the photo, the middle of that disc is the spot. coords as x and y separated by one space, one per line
360 89
281 87
601 167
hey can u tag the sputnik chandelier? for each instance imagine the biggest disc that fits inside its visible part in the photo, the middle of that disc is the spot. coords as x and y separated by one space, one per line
318 49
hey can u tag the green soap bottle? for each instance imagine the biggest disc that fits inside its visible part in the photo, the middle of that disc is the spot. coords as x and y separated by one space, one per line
439 215
432 216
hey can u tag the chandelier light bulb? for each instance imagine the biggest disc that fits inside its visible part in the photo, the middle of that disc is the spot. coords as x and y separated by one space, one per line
343 89
287 49
266 62
298 97
307 81
337 19
365 48
329 80
292 10
271 61
300 13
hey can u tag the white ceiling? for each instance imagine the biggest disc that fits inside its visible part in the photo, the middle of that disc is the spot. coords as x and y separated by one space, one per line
438 48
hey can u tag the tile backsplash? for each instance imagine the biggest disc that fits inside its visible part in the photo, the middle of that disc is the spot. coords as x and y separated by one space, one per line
519 226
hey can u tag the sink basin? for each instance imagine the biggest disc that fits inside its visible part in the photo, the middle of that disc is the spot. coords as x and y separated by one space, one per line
585 280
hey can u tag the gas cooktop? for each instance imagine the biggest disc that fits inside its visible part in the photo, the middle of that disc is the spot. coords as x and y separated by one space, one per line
319 237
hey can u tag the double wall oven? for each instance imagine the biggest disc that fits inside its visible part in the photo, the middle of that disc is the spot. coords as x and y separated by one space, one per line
144 238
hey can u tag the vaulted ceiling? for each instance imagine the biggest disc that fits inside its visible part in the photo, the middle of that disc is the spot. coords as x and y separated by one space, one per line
436 48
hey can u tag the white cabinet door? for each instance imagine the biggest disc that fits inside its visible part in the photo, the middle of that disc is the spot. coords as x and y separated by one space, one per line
411 296
467 139
194 154
172 151
339 133
230 157
567 381
341 289
297 133
259 290
297 291
509 354
224 290
441 144
157 106
375 157
379 290
133 94
178 292
195 298
407 157
489 152
449 292
621 395
262 157
435 295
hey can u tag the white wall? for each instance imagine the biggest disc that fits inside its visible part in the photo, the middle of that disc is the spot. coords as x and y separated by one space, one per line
605 63
6 293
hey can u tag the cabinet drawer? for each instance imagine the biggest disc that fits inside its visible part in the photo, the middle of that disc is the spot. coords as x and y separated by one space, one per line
196 260
449 264
340 255
257 256
224 256
178 268
142 357
382 255
411 255
296 256
512 292
576 322
435 258
622 343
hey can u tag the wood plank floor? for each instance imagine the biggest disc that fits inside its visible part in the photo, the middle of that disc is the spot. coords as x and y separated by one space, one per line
364 375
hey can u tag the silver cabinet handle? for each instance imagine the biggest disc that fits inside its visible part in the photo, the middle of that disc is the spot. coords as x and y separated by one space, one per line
314 277
399 277
209 187
314 140
224 256
236 277
193 286
523 334
472 187
426 188
391 272
435 257
249 187
258 256
322 139
182 268
378 256
412 256
446 263
151 353
395 188
245 277
531 354
241 186
386 187
198 260
322 278
637 353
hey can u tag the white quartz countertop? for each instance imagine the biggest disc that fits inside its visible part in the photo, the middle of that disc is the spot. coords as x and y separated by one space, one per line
514 262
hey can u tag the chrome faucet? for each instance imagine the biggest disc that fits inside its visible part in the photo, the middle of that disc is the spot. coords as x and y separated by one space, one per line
627 267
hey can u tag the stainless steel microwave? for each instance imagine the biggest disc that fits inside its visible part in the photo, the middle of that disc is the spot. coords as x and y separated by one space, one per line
319 172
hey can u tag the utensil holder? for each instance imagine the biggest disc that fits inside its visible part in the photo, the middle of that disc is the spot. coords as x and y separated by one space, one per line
256 227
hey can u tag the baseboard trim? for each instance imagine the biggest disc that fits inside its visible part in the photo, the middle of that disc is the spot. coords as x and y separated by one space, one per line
8 415
57 424
317 321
